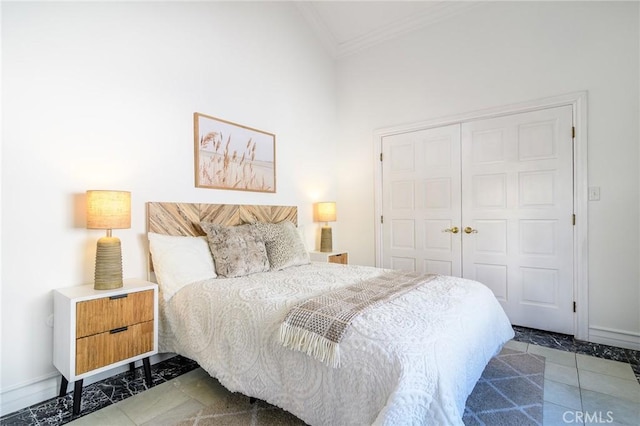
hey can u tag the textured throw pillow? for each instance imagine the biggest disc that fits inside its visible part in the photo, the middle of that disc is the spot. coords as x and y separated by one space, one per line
237 250
178 261
284 245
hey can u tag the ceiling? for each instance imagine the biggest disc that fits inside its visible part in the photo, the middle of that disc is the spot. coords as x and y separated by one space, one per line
346 27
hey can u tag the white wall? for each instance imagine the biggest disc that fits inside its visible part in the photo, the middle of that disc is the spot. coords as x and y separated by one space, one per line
101 96
499 54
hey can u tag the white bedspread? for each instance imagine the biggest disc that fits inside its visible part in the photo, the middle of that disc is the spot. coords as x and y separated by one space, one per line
412 361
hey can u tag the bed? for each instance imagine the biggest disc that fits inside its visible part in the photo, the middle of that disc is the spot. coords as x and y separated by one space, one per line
413 359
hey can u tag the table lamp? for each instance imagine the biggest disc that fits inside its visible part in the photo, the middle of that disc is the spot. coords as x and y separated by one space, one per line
108 210
325 212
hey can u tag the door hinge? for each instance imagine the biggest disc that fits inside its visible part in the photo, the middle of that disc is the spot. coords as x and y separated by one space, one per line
381 219
574 220
574 306
380 156
573 132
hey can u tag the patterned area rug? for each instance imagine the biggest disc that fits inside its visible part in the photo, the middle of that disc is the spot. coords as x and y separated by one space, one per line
510 391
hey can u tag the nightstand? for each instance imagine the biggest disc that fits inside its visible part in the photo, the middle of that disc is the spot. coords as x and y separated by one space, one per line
331 257
96 330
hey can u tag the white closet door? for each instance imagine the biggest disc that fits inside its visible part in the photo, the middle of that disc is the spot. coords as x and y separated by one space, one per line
517 186
421 201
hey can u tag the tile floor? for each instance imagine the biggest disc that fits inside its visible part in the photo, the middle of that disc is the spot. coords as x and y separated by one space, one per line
584 389
585 383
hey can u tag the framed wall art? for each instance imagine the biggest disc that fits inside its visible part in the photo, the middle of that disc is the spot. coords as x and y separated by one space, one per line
233 156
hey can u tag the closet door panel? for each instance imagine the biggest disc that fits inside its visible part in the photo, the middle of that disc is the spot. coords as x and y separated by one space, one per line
517 200
421 201
490 200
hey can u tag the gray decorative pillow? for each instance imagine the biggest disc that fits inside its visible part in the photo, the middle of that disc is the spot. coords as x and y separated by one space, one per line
284 245
237 250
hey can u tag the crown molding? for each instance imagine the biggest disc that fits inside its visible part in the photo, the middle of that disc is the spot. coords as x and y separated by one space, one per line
437 12
318 26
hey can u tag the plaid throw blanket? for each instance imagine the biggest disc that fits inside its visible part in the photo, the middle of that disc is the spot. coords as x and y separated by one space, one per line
317 325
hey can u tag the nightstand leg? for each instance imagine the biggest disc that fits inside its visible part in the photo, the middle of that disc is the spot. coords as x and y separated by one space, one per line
63 386
147 371
77 396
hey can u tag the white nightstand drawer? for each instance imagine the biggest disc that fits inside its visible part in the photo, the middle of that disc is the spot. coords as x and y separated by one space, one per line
341 257
104 314
102 349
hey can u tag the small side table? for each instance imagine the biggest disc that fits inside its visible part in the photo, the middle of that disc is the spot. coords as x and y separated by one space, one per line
341 257
96 330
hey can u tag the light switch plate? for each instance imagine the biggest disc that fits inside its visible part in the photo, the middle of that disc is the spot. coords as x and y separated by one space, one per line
594 193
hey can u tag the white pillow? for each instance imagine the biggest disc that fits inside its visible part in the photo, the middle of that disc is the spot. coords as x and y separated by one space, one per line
178 261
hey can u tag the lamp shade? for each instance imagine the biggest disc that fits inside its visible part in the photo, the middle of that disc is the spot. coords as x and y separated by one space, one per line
325 211
108 209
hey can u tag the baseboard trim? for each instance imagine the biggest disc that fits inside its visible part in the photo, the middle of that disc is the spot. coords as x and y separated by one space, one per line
615 337
46 387
29 393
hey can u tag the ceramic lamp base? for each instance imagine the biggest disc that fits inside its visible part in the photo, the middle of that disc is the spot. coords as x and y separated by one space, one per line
326 240
108 273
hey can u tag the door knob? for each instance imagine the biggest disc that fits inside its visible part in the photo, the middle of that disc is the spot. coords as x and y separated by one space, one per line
470 230
453 230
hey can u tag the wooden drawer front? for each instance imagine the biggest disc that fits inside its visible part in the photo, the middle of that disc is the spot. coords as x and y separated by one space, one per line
104 314
103 349
342 258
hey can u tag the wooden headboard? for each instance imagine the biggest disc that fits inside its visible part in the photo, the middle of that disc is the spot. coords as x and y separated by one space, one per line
184 218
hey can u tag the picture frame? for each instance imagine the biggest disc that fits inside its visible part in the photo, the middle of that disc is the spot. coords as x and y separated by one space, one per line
232 156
